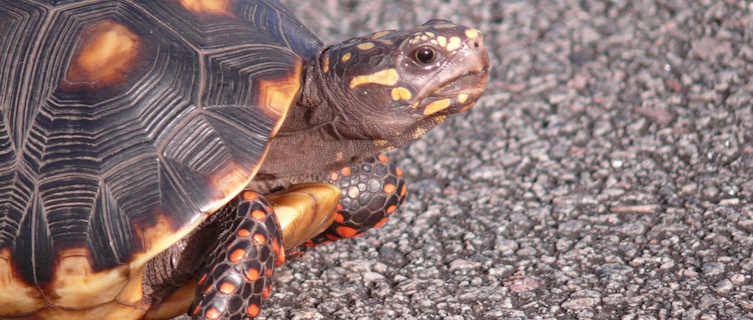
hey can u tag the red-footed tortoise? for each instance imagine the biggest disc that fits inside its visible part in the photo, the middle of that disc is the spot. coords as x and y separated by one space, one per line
133 132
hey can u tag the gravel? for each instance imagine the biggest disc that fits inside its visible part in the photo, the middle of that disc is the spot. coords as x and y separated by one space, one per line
606 174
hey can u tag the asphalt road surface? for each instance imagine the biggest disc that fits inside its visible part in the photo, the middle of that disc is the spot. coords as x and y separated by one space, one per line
606 174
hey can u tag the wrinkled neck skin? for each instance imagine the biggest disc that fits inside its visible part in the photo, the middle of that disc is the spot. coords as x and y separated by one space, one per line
327 129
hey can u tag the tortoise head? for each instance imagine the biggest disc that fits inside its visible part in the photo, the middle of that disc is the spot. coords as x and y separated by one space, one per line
374 93
394 86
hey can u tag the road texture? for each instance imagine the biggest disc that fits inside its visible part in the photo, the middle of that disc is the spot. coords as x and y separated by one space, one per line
606 174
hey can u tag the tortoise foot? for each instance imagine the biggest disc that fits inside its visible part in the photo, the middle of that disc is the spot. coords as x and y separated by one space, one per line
372 190
241 265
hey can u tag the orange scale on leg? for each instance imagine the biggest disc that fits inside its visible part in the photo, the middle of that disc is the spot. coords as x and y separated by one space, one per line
252 274
345 232
260 239
249 195
259 215
380 223
252 310
237 255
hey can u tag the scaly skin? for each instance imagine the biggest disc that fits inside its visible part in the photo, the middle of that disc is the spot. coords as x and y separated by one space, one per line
372 190
240 270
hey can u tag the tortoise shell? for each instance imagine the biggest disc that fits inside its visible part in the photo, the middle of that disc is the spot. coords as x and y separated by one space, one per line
124 125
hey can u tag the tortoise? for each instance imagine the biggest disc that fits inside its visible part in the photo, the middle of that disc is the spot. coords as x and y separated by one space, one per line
162 157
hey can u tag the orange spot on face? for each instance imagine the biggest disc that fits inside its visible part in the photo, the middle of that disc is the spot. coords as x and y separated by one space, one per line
249 195
237 255
260 239
267 291
345 232
403 190
243 233
391 209
309 243
208 289
252 274
333 176
399 172
339 218
339 207
345 171
380 223
259 215
227 288
196 310
104 57
252 310
213 314
383 158
268 272
216 7
332 237
203 278
389 188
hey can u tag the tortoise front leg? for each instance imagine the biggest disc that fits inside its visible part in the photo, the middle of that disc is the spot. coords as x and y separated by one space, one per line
250 243
238 269
371 190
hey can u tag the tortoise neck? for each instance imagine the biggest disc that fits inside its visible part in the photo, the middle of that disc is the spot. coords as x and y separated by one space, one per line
311 139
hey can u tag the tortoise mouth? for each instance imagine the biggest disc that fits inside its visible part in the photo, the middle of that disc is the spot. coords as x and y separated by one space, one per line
472 83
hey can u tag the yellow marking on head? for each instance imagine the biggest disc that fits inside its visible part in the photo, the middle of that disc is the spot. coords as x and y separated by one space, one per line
325 64
217 7
365 45
472 33
415 105
430 34
387 77
436 106
453 44
462 97
380 142
345 57
442 41
379 34
107 53
339 156
387 42
401 93
424 37
276 95
439 119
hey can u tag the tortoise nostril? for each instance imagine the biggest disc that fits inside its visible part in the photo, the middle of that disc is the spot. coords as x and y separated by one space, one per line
475 43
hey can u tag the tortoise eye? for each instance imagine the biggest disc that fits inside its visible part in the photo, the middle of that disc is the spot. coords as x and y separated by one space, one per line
424 55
